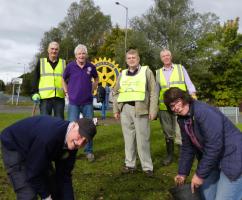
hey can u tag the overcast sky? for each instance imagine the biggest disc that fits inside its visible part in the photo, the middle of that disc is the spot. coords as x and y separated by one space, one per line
23 22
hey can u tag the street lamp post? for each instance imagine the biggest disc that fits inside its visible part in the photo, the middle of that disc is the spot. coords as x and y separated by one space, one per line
23 66
126 26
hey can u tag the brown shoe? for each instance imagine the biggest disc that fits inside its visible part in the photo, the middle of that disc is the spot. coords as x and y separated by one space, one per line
149 173
128 170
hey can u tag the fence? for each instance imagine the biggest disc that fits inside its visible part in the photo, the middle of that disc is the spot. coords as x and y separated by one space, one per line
231 112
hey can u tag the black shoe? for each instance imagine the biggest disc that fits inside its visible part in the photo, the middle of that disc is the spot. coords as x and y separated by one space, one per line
128 170
149 173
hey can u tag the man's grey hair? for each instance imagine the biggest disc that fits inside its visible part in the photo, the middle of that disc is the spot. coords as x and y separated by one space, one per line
53 43
165 50
80 47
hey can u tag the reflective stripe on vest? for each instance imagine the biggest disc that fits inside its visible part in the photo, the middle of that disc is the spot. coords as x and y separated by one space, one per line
132 88
50 84
176 80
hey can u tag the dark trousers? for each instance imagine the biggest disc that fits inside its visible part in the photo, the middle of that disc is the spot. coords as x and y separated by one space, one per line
54 104
168 123
14 165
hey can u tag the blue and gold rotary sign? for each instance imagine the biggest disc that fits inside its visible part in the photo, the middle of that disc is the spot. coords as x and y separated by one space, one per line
108 71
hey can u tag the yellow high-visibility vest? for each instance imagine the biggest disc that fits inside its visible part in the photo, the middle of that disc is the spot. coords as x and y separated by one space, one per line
176 80
132 88
50 83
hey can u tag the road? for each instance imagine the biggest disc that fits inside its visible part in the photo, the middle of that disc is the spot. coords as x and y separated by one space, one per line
7 107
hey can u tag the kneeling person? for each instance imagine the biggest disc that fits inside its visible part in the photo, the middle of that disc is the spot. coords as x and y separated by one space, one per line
29 147
213 139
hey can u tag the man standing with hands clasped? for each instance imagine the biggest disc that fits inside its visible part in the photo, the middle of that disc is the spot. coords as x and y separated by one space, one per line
135 103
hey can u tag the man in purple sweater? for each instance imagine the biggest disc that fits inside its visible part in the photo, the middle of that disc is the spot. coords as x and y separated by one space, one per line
78 87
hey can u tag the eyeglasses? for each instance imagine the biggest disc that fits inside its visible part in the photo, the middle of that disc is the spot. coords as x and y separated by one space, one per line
175 103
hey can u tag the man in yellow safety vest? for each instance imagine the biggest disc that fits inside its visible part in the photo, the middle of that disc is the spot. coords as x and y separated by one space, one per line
171 75
135 103
47 84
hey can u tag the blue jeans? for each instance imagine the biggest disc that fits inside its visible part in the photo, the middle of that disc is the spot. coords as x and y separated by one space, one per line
55 104
87 112
107 89
217 186
103 110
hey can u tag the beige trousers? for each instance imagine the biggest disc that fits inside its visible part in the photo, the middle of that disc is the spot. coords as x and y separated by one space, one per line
136 132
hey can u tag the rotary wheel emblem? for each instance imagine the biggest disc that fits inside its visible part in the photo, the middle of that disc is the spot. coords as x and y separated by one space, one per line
107 70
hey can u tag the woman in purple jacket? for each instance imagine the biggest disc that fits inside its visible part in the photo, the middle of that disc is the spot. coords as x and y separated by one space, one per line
216 143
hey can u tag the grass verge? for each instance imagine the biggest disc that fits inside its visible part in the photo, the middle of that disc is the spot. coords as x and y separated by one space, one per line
102 179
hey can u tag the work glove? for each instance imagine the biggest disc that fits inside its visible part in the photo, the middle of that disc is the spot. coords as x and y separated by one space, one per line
194 96
36 98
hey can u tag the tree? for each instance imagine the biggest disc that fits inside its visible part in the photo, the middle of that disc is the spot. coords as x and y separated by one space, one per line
84 24
113 46
173 24
54 34
27 83
200 57
2 85
87 23
168 24
111 40
226 66
148 54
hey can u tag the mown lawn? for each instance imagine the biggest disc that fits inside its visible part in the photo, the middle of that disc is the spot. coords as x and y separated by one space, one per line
102 179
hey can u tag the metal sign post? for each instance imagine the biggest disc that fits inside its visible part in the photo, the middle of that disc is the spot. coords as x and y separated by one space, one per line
18 82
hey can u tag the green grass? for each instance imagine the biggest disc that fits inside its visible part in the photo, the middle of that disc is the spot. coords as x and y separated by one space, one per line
239 126
102 179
